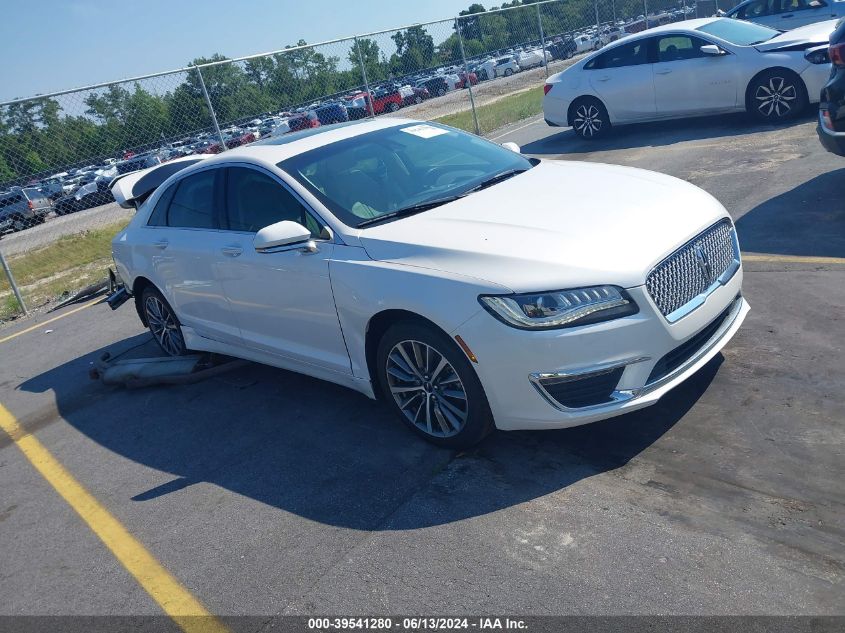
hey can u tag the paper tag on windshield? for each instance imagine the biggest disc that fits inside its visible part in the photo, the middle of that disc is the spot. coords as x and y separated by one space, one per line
424 131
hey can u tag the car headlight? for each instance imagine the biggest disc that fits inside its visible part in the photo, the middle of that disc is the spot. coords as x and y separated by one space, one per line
560 308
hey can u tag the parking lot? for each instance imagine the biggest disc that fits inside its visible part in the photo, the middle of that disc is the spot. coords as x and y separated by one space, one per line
263 492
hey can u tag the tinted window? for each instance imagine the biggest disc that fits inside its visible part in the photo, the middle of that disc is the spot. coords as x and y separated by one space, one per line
193 203
254 200
631 54
158 217
678 48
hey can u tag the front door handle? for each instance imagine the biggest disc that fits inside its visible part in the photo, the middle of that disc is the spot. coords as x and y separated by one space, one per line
162 244
604 78
788 15
232 251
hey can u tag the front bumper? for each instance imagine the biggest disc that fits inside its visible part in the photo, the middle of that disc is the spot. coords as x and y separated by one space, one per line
510 361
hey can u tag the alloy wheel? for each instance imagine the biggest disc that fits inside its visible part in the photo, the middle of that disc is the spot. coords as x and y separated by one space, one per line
427 389
164 326
776 97
587 120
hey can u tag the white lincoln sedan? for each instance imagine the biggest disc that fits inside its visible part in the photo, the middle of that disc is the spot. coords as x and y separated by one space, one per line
465 284
692 68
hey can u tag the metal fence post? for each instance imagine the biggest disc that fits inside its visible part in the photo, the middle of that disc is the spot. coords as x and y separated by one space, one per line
369 99
598 21
211 110
684 5
13 284
543 41
466 74
645 12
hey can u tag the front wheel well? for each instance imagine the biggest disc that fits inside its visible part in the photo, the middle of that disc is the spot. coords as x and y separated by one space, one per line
782 69
377 326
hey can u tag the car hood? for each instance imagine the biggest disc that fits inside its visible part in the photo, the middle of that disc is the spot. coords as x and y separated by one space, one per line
559 225
803 37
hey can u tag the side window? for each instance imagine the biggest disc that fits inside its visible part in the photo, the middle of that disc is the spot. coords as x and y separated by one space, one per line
192 205
254 200
158 217
678 48
631 54
757 9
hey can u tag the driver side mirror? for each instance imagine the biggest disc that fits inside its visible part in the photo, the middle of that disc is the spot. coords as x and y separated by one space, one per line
712 49
284 233
817 4
512 147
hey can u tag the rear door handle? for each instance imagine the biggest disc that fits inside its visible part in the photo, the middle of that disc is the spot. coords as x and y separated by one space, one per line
788 15
232 251
162 244
665 71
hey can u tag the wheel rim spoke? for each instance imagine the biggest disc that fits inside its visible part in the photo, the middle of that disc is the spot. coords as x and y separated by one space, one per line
417 375
164 327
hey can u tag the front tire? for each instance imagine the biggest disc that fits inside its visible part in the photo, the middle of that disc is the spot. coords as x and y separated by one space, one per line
428 381
776 95
162 322
508 72
589 118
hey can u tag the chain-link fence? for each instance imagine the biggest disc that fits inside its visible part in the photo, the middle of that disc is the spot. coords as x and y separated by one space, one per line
59 152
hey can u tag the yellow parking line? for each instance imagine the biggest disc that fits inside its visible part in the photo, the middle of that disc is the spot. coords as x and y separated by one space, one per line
789 259
48 321
174 599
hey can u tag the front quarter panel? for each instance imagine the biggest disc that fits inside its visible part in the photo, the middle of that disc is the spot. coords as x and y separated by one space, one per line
364 287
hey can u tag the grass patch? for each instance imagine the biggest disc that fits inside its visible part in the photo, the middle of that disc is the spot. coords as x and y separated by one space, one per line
70 263
500 113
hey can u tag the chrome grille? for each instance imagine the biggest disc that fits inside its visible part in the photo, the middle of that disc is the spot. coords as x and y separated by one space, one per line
693 268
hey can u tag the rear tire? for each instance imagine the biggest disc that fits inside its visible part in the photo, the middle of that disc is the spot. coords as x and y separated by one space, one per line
393 107
429 382
589 118
508 72
776 95
162 322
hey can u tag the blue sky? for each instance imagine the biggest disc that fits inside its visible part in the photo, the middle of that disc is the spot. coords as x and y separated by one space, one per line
50 45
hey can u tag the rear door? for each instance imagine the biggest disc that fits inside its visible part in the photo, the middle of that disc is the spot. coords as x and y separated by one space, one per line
623 78
688 82
183 245
766 12
282 300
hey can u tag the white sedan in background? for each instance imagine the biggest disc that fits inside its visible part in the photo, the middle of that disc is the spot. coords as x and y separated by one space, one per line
438 271
694 68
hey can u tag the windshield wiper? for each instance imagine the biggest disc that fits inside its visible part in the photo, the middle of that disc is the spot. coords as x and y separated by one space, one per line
494 179
410 210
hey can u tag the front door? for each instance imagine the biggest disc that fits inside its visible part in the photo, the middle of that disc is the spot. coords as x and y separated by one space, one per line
689 82
282 300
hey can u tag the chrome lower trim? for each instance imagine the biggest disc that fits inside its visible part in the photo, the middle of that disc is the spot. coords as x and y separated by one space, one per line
620 396
703 351
616 396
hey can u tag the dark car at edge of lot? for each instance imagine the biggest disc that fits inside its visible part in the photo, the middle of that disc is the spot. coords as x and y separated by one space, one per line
831 128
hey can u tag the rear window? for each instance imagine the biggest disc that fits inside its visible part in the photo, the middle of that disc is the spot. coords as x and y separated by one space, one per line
739 32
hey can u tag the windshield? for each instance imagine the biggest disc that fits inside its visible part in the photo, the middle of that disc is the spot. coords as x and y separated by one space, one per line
739 32
397 168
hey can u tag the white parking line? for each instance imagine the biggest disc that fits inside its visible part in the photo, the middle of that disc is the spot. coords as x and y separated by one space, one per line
516 129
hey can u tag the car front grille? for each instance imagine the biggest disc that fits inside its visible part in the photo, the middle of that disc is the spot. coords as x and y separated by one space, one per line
693 268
